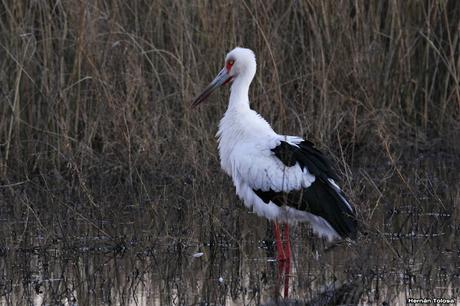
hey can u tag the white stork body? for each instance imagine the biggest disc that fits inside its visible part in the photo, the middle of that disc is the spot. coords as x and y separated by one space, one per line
271 172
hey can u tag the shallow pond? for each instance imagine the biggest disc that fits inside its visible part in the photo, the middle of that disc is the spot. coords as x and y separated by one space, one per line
72 249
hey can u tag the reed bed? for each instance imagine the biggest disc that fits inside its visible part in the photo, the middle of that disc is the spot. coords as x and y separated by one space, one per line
97 137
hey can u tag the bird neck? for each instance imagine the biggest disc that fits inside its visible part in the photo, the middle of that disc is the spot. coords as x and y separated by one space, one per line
239 94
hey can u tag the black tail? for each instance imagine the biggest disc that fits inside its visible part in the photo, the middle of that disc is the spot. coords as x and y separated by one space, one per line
323 198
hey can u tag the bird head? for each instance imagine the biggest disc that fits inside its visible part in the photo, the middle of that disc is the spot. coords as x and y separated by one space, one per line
240 64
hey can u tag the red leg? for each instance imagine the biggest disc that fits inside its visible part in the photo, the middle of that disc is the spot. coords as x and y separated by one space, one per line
287 264
287 242
279 244
284 258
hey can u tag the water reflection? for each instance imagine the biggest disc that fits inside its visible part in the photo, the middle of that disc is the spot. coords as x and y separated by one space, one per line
371 272
59 251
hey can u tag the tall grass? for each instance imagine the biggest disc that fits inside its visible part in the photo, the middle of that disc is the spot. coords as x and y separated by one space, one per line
96 94
100 151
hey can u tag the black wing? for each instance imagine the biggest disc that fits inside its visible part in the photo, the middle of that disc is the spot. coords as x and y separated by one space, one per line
322 198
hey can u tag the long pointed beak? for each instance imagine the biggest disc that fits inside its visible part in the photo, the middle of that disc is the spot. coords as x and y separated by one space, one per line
222 78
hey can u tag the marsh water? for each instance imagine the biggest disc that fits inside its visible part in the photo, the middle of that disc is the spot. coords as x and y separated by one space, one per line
69 252
111 192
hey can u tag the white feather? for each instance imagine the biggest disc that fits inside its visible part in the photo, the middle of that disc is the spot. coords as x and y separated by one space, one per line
245 143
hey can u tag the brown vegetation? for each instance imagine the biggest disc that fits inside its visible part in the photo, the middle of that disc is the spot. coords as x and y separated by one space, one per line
97 136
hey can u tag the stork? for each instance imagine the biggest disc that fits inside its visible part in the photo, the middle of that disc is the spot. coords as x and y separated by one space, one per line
282 178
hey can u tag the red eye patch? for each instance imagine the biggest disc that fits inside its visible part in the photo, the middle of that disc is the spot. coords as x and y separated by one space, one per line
229 64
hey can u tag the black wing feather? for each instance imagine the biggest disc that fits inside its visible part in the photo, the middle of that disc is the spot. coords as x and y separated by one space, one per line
321 198
307 156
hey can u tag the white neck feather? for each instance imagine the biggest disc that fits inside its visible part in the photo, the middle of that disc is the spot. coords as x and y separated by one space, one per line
239 96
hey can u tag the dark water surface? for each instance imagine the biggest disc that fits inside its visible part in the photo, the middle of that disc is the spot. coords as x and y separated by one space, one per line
95 272
67 253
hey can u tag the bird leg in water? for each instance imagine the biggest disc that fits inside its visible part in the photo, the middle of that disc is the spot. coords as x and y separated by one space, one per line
283 249
287 243
279 244
282 278
287 263
283 257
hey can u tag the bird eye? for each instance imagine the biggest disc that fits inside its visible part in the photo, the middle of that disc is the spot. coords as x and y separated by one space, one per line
230 64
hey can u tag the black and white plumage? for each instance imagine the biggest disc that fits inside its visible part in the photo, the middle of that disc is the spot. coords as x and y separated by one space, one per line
323 197
283 178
